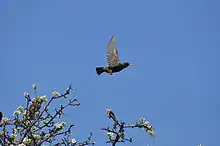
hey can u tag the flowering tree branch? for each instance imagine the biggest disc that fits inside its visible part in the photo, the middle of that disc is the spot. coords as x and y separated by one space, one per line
116 134
35 124
38 124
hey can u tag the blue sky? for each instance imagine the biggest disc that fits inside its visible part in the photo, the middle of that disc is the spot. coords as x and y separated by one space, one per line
174 46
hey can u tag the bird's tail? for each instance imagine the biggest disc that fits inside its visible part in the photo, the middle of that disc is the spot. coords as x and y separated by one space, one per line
99 70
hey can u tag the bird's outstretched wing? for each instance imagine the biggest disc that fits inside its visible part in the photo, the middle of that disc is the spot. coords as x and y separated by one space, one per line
112 52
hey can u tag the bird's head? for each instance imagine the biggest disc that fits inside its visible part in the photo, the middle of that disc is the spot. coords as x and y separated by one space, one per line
126 64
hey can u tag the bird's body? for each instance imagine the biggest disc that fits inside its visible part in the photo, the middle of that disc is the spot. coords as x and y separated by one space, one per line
114 65
112 69
117 68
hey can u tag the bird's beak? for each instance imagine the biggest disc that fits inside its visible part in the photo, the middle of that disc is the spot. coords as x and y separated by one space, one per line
130 64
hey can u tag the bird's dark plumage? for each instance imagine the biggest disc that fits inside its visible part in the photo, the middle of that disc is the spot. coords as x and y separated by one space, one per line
114 65
100 70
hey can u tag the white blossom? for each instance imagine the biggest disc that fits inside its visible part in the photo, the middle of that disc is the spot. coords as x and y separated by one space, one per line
27 140
73 141
108 111
110 134
44 98
55 94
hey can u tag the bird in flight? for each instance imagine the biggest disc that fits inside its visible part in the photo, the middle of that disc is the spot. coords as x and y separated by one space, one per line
114 64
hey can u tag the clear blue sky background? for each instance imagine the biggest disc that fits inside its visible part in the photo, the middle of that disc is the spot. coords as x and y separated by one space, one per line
174 45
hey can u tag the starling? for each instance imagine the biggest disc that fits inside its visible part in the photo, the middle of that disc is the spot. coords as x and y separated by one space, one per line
114 65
